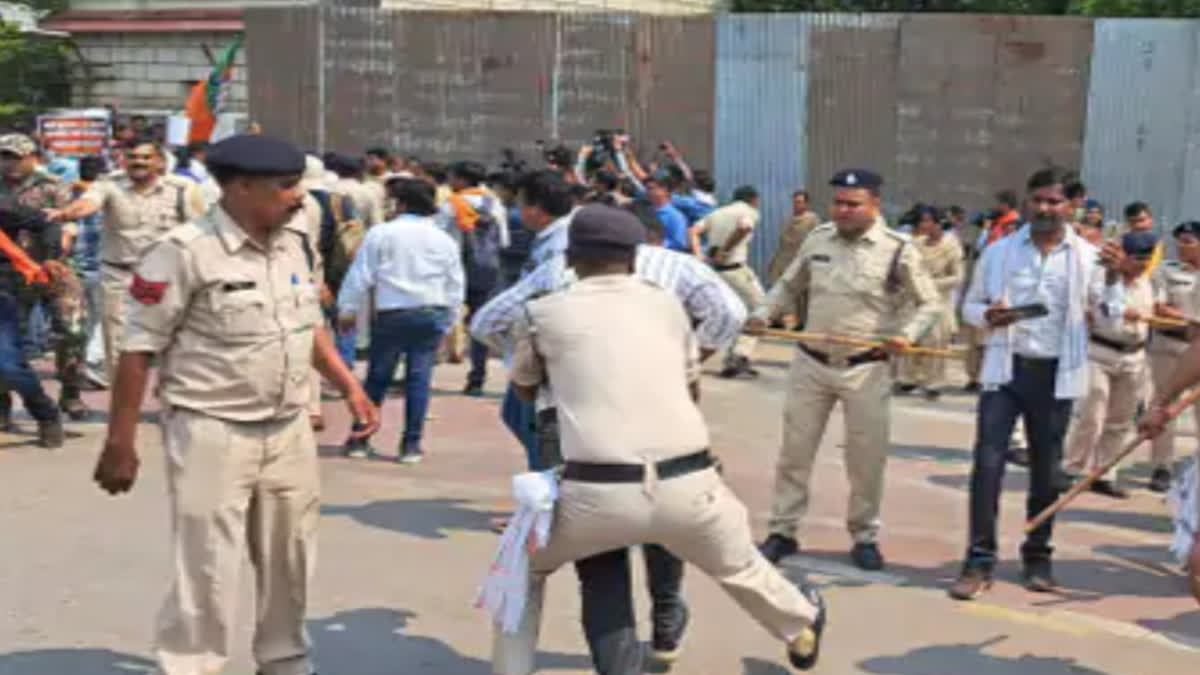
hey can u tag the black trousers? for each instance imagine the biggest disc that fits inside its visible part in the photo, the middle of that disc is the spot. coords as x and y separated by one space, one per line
609 624
1030 395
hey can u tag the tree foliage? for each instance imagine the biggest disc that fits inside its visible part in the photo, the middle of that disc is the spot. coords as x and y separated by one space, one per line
34 71
1098 8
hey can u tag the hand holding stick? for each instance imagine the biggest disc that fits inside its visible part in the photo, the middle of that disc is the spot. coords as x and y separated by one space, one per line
1086 482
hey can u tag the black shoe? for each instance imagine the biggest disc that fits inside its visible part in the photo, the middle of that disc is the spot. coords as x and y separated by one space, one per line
867 557
900 388
971 583
51 434
475 390
805 649
777 547
667 636
1018 456
1037 578
973 387
1160 480
1109 489
931 394
75 408
6 421
411 454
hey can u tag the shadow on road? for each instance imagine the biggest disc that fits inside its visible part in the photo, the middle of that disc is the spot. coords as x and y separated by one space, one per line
932 453
377 641
75 661
959 659
1184 628
425 518
751 666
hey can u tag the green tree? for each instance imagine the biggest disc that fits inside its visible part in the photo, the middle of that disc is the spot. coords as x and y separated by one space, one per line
34 71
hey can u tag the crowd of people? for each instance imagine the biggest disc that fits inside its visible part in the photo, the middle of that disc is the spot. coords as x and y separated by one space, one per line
239 269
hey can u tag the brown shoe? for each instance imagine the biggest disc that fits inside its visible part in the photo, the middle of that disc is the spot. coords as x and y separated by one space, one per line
971 584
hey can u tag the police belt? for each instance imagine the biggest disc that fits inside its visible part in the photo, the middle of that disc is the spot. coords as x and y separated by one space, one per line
1123 347
1180 334
727 268
588 472
869 356
124 267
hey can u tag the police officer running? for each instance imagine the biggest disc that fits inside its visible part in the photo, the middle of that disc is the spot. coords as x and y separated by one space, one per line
857 275
230 301
637 465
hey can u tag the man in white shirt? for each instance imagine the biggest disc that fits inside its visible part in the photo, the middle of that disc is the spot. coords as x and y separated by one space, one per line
417 277
1033 367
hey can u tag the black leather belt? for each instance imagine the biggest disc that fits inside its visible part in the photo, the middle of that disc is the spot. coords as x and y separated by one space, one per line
1122 347
126 267
587 472
1173 333
726 268
869 356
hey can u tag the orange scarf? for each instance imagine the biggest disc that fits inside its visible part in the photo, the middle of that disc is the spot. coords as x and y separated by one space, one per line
21 262
464 214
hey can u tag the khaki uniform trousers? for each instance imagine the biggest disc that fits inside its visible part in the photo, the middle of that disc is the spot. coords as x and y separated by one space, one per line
813 389
695 516
745 284
114 284
926 371
1105 421
975 341
1163 361
235 486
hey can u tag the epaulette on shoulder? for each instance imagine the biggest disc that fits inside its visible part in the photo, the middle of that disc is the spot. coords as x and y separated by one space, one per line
898 235
823 228
186 233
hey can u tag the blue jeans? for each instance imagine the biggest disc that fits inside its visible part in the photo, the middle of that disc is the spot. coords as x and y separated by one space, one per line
477 298
344 344
415 334
521 420
1030 395
15 373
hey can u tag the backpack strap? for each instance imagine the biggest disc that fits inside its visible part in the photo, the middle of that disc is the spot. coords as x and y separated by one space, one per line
893 283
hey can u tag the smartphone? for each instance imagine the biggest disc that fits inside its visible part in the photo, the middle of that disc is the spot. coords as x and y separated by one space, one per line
1030 311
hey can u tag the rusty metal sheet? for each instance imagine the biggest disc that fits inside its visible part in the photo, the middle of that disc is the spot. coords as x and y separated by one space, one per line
676 103
282 80
852 84
983 101
1142 121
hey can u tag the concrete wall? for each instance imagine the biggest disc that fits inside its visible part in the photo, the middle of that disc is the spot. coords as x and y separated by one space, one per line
153 70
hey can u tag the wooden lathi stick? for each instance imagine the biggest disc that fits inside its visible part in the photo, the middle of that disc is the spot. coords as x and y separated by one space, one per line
818 338
1086 482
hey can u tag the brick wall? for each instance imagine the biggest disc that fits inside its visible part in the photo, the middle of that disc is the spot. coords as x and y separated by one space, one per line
152 71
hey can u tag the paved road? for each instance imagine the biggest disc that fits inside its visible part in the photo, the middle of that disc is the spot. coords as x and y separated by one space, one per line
402 549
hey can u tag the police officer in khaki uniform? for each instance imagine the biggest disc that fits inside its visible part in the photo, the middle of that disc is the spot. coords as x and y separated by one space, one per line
637 468
1117 371
857 274
1176 281
230 303
139 205
729 231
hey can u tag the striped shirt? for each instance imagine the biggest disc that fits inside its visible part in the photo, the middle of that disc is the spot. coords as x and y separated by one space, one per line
711 304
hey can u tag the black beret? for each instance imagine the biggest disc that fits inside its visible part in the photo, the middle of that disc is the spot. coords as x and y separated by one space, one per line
1139 243
857 178
256 155
1191 227
598 229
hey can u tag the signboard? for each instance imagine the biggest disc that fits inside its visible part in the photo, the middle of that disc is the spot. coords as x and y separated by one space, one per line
75 133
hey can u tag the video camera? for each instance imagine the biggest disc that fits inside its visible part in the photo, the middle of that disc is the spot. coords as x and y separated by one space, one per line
510 162
604 147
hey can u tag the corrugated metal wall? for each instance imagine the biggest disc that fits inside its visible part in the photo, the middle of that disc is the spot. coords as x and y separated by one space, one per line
761 59
1142 118
948 108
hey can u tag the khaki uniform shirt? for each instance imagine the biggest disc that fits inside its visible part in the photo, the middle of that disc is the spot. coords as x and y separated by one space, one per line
234 321
724 222
134 220
363 199
1139 295
791 238
1175 283
846 285
619 353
